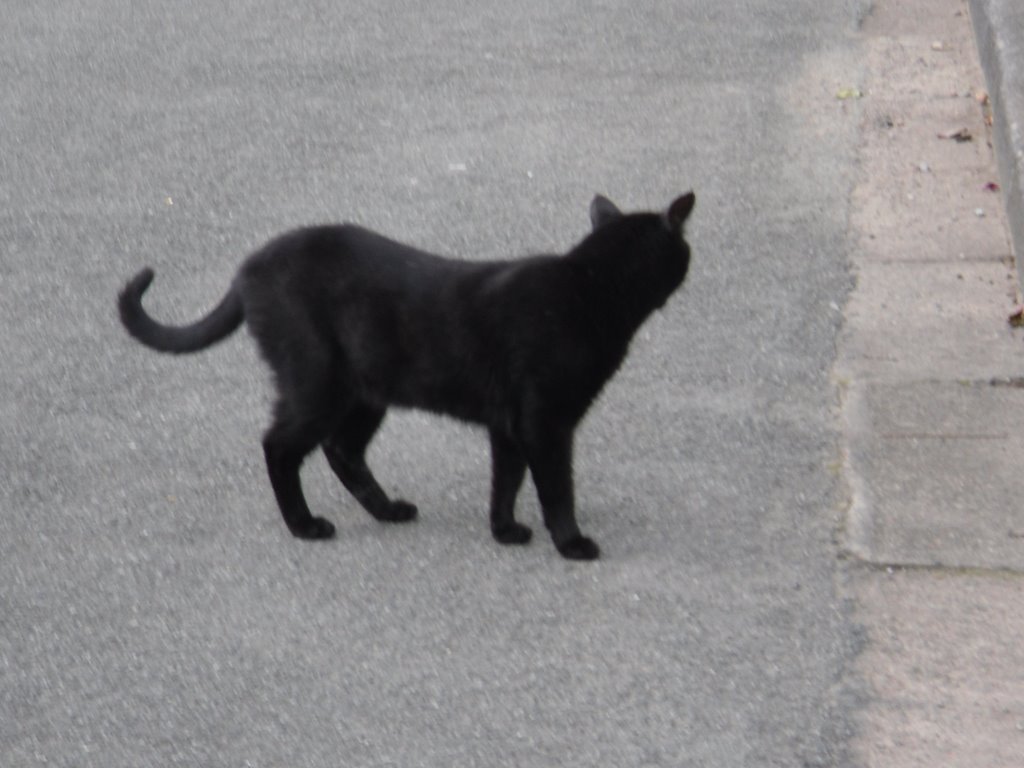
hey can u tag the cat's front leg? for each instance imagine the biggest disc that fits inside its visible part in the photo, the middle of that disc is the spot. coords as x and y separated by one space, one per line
550 459
508 468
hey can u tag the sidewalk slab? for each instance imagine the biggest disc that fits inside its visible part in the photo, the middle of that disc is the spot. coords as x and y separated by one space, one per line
942 188
939 473
946 666
917 320
999 26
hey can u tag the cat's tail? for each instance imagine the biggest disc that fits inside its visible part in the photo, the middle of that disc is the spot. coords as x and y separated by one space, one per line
219 324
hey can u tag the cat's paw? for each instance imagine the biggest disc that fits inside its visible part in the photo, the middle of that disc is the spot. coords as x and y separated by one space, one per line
313 529
398 512
512 533
579 548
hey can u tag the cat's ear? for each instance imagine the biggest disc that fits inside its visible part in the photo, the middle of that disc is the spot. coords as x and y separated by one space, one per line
603 210
679 211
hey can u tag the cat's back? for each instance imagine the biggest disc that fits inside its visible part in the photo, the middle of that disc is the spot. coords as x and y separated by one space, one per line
336 262
340 245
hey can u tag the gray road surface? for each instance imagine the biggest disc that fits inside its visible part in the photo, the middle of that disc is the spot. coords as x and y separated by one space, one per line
153 609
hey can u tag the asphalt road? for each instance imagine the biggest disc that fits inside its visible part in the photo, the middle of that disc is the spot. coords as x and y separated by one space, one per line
154 610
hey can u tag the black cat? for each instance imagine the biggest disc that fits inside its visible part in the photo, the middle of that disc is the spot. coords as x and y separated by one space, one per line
352 323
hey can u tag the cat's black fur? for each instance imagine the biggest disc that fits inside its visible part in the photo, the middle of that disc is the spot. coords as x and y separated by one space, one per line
352 323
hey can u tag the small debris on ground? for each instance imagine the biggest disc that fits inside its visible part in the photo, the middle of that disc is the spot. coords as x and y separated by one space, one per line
924 168
960 135
849 93
1016 320
991 187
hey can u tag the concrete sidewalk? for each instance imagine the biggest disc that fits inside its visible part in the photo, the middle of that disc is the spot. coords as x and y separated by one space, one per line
930 373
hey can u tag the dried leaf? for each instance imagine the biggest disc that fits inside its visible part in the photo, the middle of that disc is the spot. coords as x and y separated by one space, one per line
844 94
1016 320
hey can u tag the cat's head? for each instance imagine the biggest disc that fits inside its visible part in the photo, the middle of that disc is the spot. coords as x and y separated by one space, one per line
604 211
649 243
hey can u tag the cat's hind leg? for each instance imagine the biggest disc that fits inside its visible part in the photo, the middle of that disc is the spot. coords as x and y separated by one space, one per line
306 410
345 449
508 468
285 445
